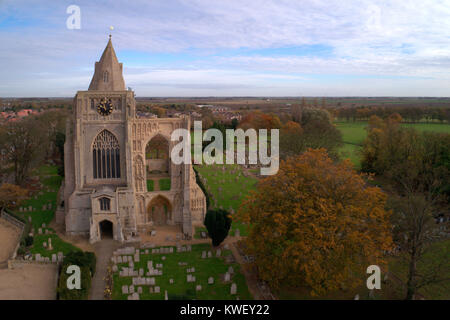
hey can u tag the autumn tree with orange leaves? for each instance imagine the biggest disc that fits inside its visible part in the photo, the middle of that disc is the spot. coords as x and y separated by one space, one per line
316 224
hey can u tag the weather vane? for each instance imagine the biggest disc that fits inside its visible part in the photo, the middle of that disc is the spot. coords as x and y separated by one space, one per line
111 28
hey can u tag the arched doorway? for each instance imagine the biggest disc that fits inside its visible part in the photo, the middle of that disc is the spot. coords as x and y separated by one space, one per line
159 211
106 229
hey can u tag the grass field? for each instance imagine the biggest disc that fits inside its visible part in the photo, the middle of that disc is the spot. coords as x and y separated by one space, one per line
51 182
57 244
204 268
227 187
392 288
354 133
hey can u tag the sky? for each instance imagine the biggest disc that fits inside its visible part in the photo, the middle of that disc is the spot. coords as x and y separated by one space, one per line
230 47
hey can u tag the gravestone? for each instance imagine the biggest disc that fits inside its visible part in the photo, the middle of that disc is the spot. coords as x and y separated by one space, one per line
40 230
237 233
131 289
198 287
166 297
209 254
218 253
54 258
210 280
227 277
139 290
171 281
233 289
157 289
124 289
230 270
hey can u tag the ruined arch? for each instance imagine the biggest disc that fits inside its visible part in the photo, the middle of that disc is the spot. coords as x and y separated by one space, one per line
159 211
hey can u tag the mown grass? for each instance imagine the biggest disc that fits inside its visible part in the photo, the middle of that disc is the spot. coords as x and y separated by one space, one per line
164 184
51 181
204 268
227 187
57 243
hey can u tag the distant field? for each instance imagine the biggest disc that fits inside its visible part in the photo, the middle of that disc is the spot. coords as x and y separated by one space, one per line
354 133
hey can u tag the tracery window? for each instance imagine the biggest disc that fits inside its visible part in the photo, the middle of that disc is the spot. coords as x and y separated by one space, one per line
105 76
106 156
105 204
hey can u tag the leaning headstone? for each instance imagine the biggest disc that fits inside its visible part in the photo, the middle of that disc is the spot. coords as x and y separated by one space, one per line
210 280
233 289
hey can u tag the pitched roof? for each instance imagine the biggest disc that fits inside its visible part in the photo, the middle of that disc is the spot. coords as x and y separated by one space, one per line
108 72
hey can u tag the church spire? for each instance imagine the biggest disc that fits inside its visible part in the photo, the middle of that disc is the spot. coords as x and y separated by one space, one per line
108 72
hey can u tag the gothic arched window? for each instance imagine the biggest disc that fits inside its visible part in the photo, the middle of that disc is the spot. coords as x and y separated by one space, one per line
106 156
105 204
105 76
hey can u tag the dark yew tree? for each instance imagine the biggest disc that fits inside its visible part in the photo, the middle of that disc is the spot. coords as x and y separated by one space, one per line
218 224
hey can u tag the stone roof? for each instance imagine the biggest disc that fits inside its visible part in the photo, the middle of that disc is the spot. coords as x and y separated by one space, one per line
108 72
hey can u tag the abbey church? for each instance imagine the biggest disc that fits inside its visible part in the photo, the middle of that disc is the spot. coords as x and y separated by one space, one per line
119 179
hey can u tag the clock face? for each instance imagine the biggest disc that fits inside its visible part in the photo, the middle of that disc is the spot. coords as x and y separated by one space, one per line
105 107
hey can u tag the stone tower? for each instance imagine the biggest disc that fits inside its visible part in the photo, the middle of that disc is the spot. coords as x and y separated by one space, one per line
113 176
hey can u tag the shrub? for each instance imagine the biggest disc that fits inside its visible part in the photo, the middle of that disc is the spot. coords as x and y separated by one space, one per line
28 241
87 262
218 224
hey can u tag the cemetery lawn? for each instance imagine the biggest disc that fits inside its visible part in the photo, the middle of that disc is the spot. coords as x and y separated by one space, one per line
227 187
57 244
51 181
204 268
198 231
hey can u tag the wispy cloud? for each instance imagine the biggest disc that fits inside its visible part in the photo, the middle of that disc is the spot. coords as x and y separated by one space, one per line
233 47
